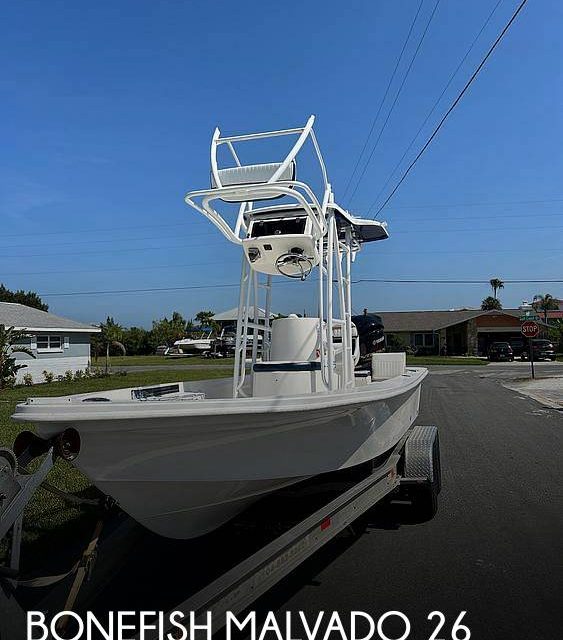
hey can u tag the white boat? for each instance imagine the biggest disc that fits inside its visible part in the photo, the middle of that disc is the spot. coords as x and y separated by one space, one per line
197 342
183 458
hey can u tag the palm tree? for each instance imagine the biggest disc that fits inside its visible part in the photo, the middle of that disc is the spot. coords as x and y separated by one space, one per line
205 319
496 285
9 338
111 336
544 303
491 304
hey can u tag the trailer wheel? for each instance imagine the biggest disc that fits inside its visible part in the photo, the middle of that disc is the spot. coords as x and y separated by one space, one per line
8 455
422 479
424 501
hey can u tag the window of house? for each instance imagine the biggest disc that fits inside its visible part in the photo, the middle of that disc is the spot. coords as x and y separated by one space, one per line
49 343
423 339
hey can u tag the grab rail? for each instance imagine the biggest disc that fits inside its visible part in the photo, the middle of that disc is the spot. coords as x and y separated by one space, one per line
286 188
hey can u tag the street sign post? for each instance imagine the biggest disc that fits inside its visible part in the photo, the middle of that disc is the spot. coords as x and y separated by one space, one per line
530 330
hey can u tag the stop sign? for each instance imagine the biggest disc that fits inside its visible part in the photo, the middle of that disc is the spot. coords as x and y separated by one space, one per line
530 329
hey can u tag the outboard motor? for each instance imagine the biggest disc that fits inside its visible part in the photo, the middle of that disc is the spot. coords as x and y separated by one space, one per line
371 331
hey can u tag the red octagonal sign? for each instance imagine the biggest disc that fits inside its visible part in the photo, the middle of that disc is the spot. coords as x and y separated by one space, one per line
530 329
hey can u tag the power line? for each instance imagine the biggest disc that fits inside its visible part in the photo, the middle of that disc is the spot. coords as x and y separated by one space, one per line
190 246
452 76
103 251
473 230
96 230
487 217
105 240
187 224
362 280
439 281
383 99
477 204
222 261
453 106
421 40
151 290
127 269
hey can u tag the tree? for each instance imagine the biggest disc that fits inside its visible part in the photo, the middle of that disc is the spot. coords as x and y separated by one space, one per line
491 304
166 332
111 335
496 285
556 334
29 298
10 343
205 318
136 341
544 303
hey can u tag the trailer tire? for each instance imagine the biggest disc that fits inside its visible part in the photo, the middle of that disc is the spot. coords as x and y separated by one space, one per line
424 501
10 457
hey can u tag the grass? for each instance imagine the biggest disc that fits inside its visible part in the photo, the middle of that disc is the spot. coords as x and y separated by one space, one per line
46 514
155 361
452 360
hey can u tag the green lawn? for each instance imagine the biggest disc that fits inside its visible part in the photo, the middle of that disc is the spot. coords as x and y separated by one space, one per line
130 361
452 360
46 514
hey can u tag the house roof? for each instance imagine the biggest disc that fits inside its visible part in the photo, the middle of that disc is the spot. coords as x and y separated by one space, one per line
13 314
433 320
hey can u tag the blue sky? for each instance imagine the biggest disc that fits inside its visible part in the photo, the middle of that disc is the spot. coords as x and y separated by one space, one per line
107 110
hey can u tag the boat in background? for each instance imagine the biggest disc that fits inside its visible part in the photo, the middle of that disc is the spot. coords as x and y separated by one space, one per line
183 458
197 342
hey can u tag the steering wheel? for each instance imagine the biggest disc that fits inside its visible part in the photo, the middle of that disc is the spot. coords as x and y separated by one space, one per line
294 265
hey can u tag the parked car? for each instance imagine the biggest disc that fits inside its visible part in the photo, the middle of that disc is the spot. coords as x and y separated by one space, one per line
500 351
370 332
543 350
518 345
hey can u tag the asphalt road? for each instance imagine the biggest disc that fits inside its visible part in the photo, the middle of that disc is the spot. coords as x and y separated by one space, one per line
495 547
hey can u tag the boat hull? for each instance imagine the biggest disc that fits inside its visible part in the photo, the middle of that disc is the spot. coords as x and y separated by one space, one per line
193 346
182 476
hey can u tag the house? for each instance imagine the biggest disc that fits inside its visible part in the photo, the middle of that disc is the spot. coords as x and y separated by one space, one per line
458 332
59 344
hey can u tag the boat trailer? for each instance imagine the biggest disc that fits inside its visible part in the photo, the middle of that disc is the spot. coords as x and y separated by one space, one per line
410 474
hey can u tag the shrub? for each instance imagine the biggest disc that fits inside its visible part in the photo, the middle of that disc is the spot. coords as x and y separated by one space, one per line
79 374
49 376
396 344
69 375
28 379
11 342
60 378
